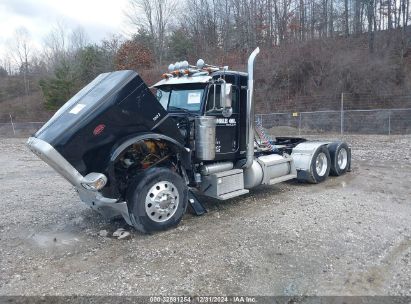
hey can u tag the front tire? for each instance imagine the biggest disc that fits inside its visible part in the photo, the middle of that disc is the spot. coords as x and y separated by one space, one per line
157 200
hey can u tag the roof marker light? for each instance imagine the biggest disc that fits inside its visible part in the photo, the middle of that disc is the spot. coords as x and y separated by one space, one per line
200 64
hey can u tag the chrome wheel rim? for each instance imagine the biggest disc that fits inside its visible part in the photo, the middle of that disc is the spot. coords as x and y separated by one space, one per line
321 164
162 201
342 158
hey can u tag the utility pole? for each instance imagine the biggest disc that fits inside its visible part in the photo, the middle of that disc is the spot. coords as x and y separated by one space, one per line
12 124
342 114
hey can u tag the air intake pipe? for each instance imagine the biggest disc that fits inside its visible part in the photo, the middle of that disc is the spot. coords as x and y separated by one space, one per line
250 110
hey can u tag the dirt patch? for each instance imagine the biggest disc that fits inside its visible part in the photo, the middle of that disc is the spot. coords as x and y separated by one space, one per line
348 236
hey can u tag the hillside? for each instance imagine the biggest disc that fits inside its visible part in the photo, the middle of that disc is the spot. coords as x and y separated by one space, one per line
312 75
300 76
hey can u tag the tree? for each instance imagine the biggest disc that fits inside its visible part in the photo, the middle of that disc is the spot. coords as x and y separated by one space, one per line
3 72
109 48
331 26
90 63
21 48
133 56
59 88
7 63
346 23
144 38
155 18
180 45
357 17
389 15
78 39
370 17
57 44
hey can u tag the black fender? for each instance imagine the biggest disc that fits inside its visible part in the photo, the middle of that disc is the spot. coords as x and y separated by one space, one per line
125 143
185 153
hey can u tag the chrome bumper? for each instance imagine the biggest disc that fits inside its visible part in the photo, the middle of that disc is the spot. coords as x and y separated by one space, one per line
108 207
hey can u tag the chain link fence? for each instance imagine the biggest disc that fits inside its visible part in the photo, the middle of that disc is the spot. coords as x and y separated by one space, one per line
19 129
309 115
343 114
378 121
370 121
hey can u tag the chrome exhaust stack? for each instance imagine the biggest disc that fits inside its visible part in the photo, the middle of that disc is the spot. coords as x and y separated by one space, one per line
250 110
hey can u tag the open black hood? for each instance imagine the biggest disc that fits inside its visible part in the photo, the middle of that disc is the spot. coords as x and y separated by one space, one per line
112 108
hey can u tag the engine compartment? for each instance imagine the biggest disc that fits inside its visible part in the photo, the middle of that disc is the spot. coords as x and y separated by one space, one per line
141 156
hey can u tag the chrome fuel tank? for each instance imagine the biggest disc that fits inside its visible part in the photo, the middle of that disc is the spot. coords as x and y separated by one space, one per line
269 169
205 132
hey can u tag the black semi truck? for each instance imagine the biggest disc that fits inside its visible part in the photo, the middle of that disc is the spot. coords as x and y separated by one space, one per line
147 156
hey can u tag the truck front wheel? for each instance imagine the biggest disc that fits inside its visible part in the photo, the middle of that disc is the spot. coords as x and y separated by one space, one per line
157 200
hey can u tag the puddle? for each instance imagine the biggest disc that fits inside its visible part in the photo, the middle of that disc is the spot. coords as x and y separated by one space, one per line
54 239
340 182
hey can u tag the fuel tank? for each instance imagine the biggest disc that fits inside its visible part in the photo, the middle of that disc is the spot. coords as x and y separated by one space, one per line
267 168
205 134
113 107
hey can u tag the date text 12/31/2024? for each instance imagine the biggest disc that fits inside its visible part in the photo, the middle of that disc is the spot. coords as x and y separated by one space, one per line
202 299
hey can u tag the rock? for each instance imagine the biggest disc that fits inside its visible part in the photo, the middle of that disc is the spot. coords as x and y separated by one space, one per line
118 232
124 235
103 233
182 228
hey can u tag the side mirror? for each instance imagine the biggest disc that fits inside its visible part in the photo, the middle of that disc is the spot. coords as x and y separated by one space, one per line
226 99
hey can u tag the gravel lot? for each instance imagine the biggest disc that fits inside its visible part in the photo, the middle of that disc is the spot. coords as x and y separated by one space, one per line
348 236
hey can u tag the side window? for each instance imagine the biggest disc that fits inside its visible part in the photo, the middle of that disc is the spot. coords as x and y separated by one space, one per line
213 100
235 98
210 99
163 97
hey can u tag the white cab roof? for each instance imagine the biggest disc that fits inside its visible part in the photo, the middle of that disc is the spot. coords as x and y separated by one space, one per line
183 80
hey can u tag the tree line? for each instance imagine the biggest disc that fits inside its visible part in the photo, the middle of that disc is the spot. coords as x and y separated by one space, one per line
298 32
204 26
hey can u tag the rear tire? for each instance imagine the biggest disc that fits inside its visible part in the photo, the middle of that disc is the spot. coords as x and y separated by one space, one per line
157 200
320 165
340 158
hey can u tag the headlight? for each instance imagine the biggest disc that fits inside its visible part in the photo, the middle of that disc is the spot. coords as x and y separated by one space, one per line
94 181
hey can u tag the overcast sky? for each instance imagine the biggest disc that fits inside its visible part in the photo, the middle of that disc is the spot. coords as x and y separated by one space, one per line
99 18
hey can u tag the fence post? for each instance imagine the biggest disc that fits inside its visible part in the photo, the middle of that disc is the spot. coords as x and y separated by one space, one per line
342 114
389 122
12 124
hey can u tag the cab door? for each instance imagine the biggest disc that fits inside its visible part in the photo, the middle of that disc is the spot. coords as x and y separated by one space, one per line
227 127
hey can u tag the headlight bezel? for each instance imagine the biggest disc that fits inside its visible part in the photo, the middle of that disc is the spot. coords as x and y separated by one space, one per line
94 181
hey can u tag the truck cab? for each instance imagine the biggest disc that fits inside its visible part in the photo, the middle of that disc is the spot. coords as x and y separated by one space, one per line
201 95
149 153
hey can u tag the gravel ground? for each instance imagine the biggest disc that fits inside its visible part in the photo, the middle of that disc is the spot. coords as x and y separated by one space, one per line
348 236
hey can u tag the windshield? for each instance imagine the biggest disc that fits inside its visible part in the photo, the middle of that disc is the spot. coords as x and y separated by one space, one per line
177 99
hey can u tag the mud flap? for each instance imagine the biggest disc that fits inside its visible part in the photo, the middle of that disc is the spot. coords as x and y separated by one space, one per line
349 160
195 205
